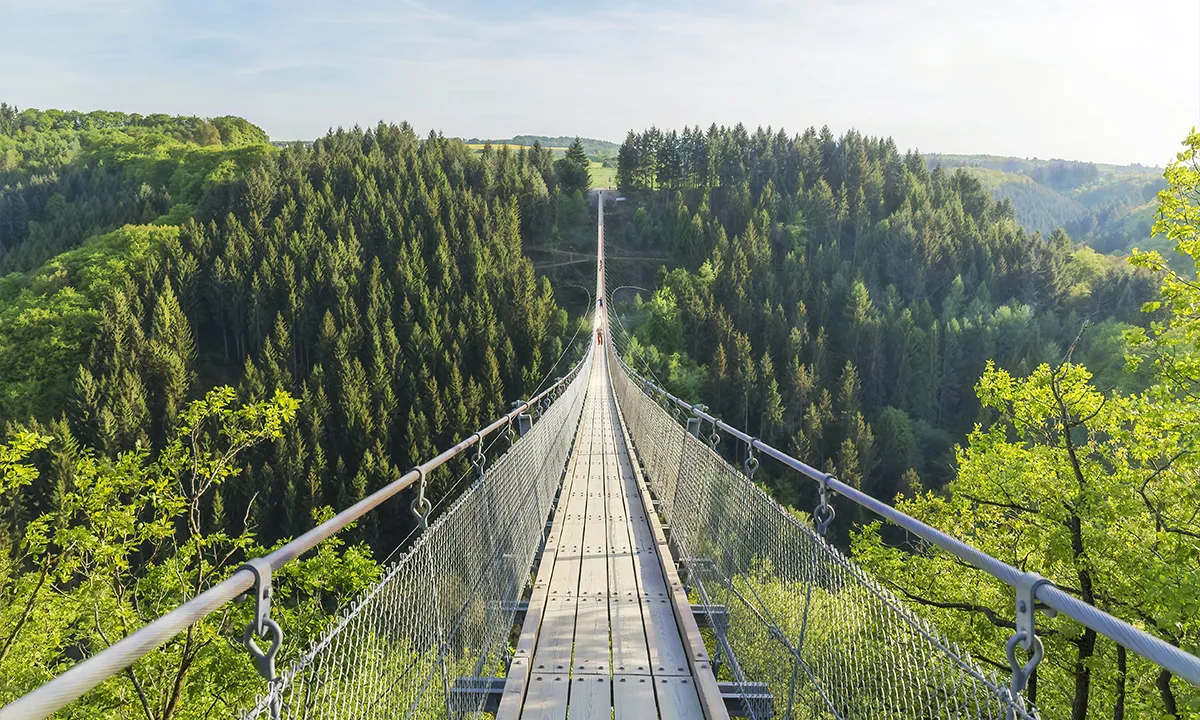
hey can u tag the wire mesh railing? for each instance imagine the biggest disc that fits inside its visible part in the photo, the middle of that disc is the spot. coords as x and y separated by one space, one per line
445 609
445 605
798 615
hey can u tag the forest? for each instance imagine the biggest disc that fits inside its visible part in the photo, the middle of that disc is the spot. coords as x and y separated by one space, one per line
209 342
821 317
895 326
304 324
1110 208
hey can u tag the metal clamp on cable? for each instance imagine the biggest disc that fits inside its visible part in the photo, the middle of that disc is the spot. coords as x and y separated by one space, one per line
824 514
751 463
1026 633
693 423
478 459
713 437
262 622
420 506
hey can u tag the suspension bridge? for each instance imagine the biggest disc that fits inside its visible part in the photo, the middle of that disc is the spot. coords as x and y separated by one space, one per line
611 564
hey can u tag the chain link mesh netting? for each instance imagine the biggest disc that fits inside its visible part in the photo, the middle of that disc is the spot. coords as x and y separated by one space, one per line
445 609
828 641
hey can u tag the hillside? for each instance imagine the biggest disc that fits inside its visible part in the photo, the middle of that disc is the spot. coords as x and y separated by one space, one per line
371 288
312 319
1109 207
893 326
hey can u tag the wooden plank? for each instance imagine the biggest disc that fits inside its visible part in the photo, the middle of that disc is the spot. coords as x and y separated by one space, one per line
593 572
576 500
677 698
633 697
708 691
532 625
648 569
564 582
591 636
514 690
593 576
547 697
622 579
614 497
591 613
556 638
591 698
595 487
667 656
565 579
517 681
630 653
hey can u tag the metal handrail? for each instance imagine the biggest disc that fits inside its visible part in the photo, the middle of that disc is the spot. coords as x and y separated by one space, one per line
1148 646
81 678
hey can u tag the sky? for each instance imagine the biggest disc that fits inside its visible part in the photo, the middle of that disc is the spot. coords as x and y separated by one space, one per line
1102 80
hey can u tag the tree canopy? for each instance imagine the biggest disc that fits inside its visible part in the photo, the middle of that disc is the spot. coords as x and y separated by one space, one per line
363 300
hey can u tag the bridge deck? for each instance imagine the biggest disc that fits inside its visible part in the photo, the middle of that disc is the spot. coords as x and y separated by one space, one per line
601 638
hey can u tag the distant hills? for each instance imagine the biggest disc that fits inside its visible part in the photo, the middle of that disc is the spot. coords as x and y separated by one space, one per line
1109 207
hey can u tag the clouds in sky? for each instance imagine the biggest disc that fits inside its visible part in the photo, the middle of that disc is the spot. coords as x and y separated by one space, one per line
1105 80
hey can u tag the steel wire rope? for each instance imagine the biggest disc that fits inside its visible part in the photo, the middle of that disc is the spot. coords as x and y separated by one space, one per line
591 313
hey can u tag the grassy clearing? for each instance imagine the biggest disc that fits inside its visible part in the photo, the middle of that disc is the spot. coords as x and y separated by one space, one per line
602 177
478 147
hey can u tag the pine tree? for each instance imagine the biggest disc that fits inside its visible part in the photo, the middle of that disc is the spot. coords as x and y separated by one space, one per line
572 170
772 403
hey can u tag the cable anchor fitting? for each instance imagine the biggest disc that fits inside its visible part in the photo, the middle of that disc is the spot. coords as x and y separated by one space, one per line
1026 632
713 437
824 513
261 625
420 506
751 463
478 460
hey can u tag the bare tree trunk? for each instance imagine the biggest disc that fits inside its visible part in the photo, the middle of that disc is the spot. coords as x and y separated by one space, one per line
1119 707
1168 696
1087 643
1083 675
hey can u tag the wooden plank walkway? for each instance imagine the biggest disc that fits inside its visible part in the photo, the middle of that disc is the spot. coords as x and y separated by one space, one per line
604 642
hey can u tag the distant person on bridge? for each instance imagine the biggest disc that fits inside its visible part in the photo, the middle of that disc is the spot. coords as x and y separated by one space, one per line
599 337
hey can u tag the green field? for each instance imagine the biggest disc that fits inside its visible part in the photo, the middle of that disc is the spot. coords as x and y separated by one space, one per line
478 147
602 177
